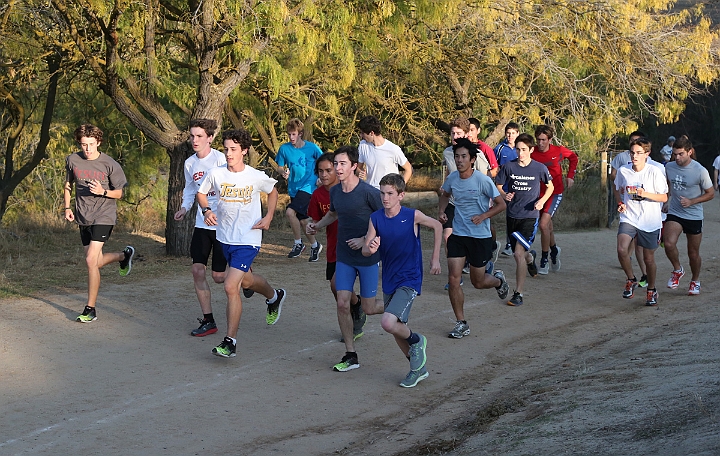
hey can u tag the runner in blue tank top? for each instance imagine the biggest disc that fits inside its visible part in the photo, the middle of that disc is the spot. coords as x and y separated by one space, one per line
394 232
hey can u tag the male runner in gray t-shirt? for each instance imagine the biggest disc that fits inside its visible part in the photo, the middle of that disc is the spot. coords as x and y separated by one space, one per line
99 181
689 185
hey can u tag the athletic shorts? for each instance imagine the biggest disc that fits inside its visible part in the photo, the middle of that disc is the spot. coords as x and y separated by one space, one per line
345 278
477 251
240 256
688 226
99 233
552 204
299 203
450 212
400 302
330 270
522 231
203 242
645 239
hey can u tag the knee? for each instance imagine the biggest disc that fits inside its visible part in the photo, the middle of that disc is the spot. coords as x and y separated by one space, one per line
343 304
388 322
218 277
198 271
289 212
231 289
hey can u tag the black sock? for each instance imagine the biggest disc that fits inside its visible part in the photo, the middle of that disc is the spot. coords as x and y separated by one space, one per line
413 339
545 255
209 317
554 250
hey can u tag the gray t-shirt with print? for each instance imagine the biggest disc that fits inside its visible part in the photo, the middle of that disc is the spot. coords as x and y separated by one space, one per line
689 181
93 209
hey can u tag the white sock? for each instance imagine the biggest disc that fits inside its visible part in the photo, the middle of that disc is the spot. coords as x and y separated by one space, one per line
314 245
298 241
274 298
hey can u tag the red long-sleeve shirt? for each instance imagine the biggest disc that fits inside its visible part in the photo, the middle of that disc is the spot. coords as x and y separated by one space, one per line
553 158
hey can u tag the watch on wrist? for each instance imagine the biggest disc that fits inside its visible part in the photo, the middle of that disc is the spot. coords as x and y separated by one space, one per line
206 209
104 192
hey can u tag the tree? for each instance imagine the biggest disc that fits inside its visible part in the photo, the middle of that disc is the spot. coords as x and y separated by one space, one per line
163 62
28 92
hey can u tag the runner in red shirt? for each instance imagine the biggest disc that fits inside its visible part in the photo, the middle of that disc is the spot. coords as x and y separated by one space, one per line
319 206
552 156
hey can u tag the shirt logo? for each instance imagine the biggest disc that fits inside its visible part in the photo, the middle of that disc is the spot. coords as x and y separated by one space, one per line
229 193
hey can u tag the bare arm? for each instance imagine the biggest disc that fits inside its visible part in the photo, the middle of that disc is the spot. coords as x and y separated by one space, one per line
497 208
442 205
407 171
372 241
264 223
424 220
328 219
67 193
548 193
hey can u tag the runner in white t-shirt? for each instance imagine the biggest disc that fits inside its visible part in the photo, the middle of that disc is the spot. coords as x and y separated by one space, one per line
239 224
378 156
638 190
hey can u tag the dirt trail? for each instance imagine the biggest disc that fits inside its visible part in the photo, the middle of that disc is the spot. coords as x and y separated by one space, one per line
575 370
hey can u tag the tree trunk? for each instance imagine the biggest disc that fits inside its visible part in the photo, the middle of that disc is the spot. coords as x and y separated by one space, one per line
178 234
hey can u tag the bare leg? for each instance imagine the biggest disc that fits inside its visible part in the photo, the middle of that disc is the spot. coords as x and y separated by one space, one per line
345 319
693 245
234 303
202 288
398 329
671 234
649 257
522 258
455 292
95 259
547 236
623 244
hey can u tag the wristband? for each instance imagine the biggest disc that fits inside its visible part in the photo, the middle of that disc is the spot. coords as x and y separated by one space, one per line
67 209
105 193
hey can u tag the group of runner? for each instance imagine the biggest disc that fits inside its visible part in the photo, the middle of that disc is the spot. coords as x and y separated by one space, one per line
359 203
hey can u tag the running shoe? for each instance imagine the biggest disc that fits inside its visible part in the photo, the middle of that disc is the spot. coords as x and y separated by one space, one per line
417 354
126 263
359 319
274 309
694 288
87 316
555 260
414 377
674 280
348 362
652 298
532 267
516 299
447 285
503 289
508 250
629 290
226 349
248 293
544 266
460 330
296 250
642 283
315 253
489 267
466 268
206 328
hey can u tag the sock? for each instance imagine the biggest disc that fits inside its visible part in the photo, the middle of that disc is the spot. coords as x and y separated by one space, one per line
545 255
298 241
209 317
634 279
314 244
274 298
232 339
413 339
554 250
